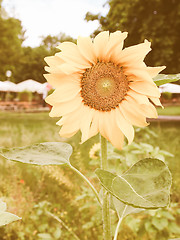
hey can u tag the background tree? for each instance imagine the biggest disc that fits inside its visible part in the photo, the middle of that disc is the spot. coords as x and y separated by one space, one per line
11 38
51 42
155 20
32 62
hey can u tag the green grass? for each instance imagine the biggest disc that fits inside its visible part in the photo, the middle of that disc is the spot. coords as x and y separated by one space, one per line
171 110
21 129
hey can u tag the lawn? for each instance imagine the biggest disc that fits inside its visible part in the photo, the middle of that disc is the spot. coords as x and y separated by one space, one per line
169 110
30 191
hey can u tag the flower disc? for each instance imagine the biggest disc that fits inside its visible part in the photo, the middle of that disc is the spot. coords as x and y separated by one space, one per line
103 86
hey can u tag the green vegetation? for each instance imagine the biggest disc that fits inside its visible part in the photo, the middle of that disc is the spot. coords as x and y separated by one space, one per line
170 110
11 31
31 192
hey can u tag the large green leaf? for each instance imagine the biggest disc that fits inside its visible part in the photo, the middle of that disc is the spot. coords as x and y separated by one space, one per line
6 217
145 185
123 209
161 79
48 153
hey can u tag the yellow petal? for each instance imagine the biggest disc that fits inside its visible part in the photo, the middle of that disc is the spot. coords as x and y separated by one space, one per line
56 79
74 60
102 124
94 128
129 113
146 88
153 71
138 75
126 128
144 109
85 124
70 69
138 97
69 130
115 45
70 122
86 48
114 133
100 44
67 91
68 47
135 53
149 110
53 60
54 69
117 138
156 101
62 121
70 53
71 117
109 129
129 67
60 109
47 69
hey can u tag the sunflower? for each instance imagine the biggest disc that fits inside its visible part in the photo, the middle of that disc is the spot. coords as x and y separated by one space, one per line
94 151
101 87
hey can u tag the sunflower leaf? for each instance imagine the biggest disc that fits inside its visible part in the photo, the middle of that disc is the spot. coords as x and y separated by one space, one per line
48 153
6 217
161 79
123 209
145 185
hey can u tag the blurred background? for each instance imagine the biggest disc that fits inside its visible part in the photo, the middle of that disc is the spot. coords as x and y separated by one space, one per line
29 31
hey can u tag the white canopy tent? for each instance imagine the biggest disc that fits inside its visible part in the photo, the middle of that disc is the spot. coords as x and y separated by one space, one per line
7 86
31 86
27 85
169 87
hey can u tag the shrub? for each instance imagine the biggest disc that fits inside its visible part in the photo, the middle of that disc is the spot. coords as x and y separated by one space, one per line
25 96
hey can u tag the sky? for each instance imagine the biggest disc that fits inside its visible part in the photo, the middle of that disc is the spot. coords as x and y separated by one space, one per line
43 17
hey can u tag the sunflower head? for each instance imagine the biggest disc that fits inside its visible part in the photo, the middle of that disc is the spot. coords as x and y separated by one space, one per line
101 87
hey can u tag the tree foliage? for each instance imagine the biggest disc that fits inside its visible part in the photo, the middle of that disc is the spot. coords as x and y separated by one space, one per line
155 20
10 44
51 42
31 64
32 61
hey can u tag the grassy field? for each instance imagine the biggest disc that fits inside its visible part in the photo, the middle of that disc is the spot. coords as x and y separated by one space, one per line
30 191
170 110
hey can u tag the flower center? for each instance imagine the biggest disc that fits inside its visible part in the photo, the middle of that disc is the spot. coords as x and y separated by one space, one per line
103 86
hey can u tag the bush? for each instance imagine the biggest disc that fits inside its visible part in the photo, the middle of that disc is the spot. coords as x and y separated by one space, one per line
25 96
8 96
167 95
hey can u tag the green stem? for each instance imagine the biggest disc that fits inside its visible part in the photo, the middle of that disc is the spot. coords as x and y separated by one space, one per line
119 223
104 164
88 182
105 207
64 225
